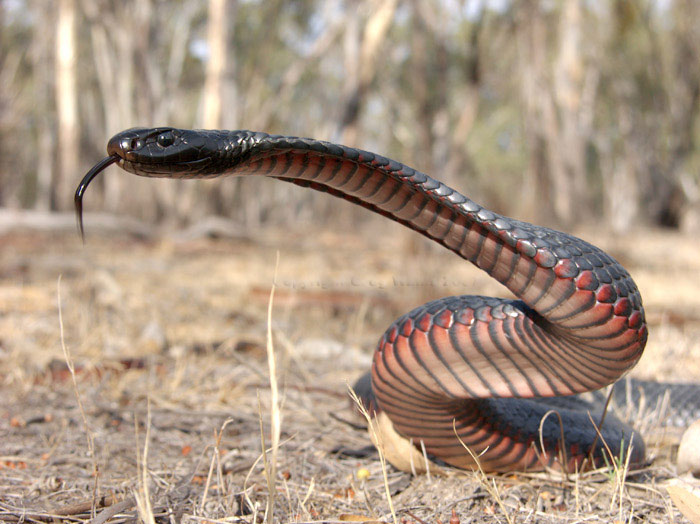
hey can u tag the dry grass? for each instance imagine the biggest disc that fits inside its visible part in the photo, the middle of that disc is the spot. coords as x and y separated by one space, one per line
172 339
489 484
375 436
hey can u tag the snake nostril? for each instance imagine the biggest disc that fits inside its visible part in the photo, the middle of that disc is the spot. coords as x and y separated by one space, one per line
129 144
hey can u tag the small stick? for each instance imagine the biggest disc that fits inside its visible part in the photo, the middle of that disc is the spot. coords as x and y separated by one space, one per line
107 513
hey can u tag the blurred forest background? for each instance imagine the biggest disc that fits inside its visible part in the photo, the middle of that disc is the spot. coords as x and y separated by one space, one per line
552 111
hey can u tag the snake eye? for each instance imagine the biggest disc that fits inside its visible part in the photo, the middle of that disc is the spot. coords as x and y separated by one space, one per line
165 139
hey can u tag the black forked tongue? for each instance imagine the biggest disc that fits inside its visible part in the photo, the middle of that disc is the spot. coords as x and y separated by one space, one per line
96 170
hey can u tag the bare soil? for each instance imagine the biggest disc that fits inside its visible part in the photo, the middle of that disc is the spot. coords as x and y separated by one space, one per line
167 339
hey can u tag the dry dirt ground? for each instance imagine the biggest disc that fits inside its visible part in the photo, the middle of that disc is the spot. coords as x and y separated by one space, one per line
168 343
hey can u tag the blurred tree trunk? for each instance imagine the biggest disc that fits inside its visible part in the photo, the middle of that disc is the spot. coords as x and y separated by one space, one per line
114 58
42 58
537 109
361 68
621 184
422 89
554 122
654 92
439 138
683 82
442 110
361 45
622 177
217 34
66 104
282 203
11 142
570 187
162 71
219 93
170 72
139 88
250 203
333 23
4 106
683 87
454 158
351 64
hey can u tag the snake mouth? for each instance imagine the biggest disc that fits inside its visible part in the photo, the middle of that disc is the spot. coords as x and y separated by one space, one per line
80 191
164 169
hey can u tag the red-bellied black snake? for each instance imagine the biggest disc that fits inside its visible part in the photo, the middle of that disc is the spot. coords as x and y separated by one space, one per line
482 367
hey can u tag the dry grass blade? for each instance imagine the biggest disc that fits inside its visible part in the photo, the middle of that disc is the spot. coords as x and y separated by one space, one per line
215 461
143 497
563 459
71 369
373 429
620 468
608 398
262 456
426 460
489 486
275 413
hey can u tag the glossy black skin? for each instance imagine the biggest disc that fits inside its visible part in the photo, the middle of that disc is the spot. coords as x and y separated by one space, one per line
162 150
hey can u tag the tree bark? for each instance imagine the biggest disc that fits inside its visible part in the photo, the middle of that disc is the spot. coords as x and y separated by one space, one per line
536 102
216 64
569 187
220 108
552 100
66 103
362 67
42 59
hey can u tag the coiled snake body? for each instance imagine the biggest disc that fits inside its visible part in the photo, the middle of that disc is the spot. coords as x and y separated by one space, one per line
477 367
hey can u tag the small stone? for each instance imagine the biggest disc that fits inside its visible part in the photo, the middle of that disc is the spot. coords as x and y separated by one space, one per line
399 451
152 340
363 474
689 450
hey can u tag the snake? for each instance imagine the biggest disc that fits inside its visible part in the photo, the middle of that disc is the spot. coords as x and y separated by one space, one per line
467 378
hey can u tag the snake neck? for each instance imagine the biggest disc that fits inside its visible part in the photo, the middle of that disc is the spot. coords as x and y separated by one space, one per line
581 291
